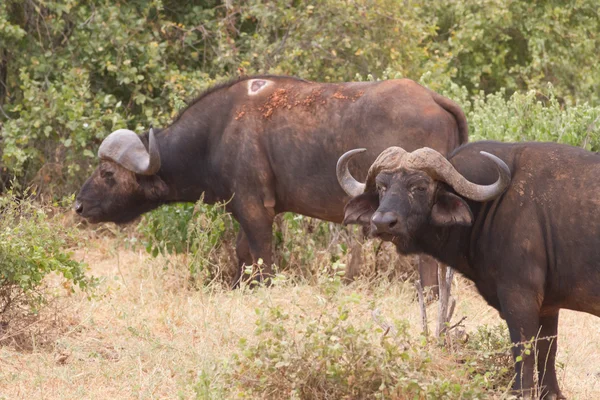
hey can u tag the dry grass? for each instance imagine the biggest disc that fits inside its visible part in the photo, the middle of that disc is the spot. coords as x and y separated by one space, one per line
145 336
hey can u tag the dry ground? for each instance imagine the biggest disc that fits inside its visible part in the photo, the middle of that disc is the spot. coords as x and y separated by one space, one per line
144 336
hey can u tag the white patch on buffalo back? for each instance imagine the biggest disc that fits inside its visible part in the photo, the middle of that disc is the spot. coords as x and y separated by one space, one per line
255 86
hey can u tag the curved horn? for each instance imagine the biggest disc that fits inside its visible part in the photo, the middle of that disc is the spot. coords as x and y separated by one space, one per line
440 168
154 164
126 149
346 180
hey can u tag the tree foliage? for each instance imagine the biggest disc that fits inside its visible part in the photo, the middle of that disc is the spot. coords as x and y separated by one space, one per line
520 45
32 246
71 71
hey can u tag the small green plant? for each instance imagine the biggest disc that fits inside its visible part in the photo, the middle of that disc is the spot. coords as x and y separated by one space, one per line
488 356
166 229
198 232
534 116
304 245
32 246
207 387
210 230
300 355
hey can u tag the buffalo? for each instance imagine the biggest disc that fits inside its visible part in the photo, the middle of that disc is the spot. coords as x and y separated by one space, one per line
268 143
520 220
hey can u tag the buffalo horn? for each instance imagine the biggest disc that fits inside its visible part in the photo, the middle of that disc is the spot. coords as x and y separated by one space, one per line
440 168
346 180
127 149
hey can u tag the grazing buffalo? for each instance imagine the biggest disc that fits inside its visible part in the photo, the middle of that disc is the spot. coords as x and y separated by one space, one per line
531 244
269 144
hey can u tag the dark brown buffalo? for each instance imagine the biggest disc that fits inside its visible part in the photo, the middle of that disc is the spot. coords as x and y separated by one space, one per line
270 145
530 244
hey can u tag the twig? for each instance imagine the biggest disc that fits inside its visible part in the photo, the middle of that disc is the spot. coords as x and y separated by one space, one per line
443 301
279 48
90 18
423 309
451 310
589 130
456 324
445 275
379 320
3 113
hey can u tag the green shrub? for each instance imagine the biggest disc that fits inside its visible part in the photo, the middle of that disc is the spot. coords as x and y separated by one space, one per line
98 66
536 115
205 235
305 245
166 229
202 233
212 233
32 246
196 230
524 117
94 68
488 357
519 45
364 37
300 355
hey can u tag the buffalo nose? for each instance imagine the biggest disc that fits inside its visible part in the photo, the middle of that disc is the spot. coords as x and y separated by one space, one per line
78 207
384 221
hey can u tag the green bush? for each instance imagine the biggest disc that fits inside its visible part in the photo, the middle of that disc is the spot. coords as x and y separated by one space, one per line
305 245
488 357
364 37
212 232
300 355
200 232
205 234
32 246
536 115
94 68
166 230
99 65
526 117
519 45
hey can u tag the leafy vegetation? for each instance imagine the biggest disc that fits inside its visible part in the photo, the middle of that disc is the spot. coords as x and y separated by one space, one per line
488 357
518 45
299 354
167 230
535 115
77 70
199 232
31 248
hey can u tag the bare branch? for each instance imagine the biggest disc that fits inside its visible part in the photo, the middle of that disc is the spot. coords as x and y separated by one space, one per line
423 309
379 320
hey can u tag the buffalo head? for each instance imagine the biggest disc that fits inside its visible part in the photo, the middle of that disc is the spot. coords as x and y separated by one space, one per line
406 193
125 184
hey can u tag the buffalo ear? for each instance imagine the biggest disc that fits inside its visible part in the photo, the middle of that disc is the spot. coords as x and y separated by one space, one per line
360 209
449 209
155 189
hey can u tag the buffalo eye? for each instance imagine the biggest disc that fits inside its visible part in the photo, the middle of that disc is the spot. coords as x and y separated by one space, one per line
108 177
419 189
381 188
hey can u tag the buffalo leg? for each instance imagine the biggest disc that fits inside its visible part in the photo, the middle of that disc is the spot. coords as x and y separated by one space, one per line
257 223
521 311
244 258
546 348
428 273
